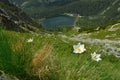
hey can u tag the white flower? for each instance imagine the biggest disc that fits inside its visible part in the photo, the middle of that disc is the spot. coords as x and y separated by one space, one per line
79 48
30 40
96 57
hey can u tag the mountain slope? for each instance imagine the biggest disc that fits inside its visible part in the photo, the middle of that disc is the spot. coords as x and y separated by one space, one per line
23 3
95 13
38 9
110 15
13 18
51 57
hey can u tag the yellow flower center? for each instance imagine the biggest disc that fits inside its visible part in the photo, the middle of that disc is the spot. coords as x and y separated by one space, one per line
78 49
95 58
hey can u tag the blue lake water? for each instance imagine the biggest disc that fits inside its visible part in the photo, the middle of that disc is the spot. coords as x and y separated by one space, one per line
58 21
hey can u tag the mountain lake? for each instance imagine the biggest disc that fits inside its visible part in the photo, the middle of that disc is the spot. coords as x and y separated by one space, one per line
58 21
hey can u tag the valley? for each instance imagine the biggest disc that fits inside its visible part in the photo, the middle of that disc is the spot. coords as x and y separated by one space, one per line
59 40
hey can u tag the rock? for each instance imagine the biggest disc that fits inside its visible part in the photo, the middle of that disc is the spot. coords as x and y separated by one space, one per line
4 76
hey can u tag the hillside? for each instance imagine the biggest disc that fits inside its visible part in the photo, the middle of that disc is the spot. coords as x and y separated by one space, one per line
51 57
110 15
13 18
95 13
39 9
87 50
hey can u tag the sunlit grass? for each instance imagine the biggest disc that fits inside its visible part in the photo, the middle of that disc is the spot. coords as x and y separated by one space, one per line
49 58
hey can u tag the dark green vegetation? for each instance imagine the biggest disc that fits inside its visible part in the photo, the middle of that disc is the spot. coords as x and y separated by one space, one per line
95 13
83 7
13 58
108 16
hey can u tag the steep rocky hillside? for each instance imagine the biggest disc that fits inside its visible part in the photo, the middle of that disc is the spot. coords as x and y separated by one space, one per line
14 18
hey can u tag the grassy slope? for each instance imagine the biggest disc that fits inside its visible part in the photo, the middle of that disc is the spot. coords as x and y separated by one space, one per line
50 58
111 33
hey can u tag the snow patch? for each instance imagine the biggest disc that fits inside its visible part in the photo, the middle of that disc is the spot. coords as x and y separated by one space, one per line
25 3
108 8
112 28
118 9
115 2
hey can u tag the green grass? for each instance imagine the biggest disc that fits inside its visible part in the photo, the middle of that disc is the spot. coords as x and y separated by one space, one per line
49 58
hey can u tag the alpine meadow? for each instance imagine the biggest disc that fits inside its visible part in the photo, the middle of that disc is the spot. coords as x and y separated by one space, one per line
59 39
